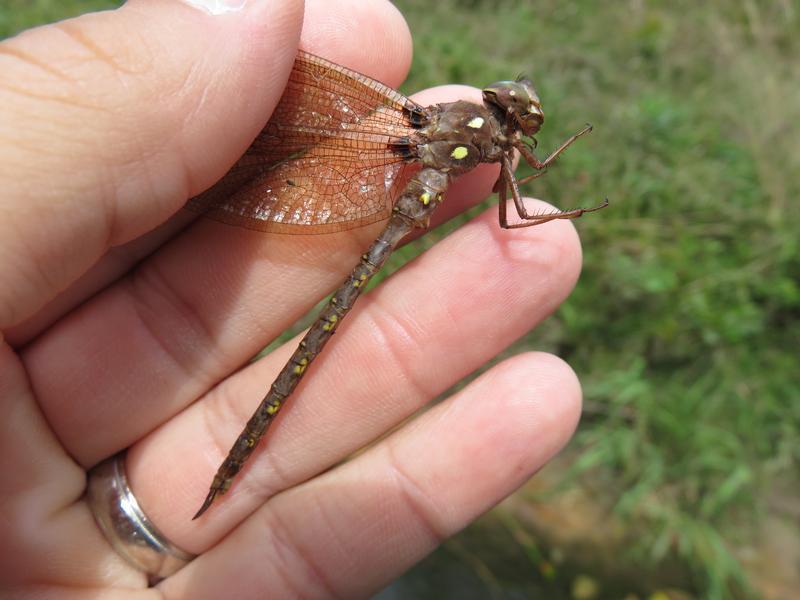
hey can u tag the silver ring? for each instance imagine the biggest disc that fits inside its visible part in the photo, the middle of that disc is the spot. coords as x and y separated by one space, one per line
125 525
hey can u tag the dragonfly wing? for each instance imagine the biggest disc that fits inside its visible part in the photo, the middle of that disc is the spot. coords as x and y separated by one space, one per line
327 159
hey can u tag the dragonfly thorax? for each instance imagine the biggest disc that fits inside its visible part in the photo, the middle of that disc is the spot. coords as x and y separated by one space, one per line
458 137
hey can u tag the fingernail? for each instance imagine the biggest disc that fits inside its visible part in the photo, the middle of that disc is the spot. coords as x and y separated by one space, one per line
218 7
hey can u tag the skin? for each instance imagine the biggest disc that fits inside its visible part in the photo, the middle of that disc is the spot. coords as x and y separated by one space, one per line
125 323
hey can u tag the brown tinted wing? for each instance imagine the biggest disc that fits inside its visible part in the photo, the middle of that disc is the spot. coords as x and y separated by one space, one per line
324 162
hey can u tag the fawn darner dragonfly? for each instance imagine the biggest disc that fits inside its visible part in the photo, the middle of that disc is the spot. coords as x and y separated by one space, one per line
327 161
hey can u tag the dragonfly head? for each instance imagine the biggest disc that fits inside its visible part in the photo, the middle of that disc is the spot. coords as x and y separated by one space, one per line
518 101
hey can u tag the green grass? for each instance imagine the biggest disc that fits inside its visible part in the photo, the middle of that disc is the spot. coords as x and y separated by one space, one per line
685 325
16 15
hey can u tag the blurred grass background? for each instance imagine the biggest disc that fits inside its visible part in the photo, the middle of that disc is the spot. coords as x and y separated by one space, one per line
684 327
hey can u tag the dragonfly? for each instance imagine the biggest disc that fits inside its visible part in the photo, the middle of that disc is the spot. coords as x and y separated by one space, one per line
330 158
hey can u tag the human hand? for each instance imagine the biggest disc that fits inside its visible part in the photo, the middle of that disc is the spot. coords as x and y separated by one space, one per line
120 317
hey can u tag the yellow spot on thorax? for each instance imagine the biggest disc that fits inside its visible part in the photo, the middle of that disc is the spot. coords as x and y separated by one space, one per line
476 123
425 198
459 152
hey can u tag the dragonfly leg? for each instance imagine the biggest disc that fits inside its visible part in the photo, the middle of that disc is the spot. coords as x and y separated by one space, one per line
501 187
531 177
506 180
573 213
541 165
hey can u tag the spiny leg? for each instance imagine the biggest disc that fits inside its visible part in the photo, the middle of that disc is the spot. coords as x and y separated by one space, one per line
531 159
508 174
531 177
573 213
507 179
501 187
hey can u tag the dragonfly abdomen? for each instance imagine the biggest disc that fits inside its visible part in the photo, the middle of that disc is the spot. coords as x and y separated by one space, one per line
419 199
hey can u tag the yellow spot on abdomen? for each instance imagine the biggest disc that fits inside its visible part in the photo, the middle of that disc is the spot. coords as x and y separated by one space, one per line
301 366
459 152
273 408
476 123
